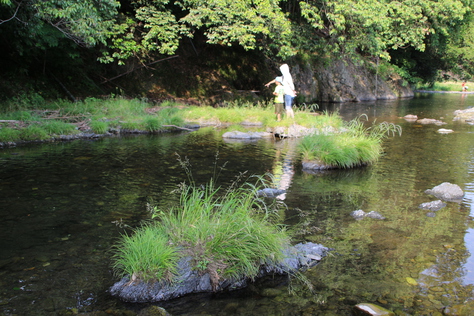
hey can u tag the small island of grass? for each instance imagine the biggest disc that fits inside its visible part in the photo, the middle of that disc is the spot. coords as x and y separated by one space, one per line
211 241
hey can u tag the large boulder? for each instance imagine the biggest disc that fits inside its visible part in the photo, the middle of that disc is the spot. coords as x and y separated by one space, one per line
447 192
190 280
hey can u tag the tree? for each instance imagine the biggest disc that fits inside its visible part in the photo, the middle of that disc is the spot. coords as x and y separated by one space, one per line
160 25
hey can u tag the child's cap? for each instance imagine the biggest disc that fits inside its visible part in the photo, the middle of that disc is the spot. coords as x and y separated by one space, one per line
279 79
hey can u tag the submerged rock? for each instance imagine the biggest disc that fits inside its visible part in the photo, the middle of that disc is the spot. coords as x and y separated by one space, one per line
270 192
425 121
190 280
445 131
360 214
246 135
410 118
466 115
447 192
433 205
374 310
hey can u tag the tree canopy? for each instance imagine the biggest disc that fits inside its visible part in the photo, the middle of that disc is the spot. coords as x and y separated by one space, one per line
137 28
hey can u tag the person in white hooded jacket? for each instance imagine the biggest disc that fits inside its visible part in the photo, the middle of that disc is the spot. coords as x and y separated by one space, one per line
289 87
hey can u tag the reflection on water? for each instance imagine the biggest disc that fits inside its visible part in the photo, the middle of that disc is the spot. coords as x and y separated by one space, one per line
64 205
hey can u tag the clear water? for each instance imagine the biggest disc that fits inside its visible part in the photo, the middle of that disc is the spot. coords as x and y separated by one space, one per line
63 206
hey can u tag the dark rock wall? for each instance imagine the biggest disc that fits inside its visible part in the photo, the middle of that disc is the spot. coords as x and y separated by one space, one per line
343 81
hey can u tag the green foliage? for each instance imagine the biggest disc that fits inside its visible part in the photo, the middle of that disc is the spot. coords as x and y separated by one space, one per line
227 233
85 22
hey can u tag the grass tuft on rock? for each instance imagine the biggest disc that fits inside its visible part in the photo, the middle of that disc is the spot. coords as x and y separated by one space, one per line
356 146
228 235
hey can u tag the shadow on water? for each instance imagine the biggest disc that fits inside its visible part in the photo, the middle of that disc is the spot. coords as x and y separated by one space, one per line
63 206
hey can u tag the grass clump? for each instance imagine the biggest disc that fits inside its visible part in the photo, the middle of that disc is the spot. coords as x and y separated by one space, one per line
356 146
9 134
58 128
99 127
227 235
33 132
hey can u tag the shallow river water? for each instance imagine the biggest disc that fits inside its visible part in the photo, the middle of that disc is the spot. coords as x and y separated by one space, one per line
64 205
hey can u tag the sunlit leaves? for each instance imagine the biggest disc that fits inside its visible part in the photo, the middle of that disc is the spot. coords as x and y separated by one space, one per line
374 26
85 22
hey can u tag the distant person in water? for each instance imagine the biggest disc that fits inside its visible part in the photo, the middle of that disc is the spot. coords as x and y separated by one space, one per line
464 87
289 87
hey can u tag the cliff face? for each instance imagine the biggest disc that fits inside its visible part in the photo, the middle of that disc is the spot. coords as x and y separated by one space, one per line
344 81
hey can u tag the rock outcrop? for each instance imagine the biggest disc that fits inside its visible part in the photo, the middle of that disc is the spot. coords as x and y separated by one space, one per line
189 280
342 80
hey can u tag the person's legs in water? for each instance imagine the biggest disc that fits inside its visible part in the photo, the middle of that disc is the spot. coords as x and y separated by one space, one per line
288 106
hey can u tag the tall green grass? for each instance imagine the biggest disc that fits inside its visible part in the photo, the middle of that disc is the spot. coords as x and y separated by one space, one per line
228 234
445 86
356 146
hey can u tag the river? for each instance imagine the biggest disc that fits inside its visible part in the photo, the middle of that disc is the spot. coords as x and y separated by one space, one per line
64 205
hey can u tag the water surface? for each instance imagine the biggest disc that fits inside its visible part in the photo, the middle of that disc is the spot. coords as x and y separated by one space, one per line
63 206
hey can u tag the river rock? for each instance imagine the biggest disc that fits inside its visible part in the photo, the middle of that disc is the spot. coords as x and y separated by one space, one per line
190 280
360 214
466 115
270 192
246 135
447 192
433 205
430 121
411 118
445 131
373 310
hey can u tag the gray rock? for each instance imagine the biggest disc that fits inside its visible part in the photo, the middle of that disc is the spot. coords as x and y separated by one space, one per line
270 193
360 214
433 205
425 121
375 215
447 192
246 135
189 280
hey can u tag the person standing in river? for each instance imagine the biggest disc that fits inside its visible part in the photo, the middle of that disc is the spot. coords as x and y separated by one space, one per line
279 94
289 88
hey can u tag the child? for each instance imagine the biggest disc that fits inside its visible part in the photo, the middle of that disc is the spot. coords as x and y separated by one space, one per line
279 97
